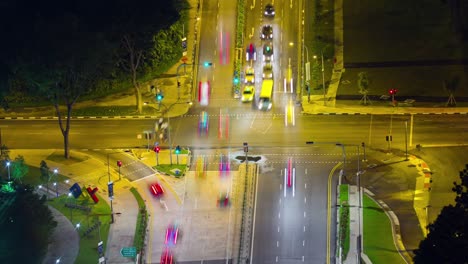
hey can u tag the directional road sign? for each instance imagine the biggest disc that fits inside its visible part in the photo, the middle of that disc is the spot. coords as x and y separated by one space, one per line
128 252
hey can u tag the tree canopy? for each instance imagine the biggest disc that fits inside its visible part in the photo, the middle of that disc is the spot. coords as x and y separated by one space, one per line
447 241
43 40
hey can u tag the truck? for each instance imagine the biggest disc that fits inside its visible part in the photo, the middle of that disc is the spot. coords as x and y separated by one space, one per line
266 95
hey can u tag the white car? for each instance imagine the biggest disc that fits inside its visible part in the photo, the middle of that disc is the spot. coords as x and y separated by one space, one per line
204 92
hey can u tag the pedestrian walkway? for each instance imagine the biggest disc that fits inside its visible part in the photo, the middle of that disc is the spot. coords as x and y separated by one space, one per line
355 226
64 241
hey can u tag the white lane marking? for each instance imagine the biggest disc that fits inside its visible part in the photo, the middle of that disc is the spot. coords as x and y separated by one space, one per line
278 229
285 176
305 199
304 214
276 258
280 201
294 181
303 243
196 203
306 171
284 85
304 228
305 186
277 243
279 215
292 85
302 258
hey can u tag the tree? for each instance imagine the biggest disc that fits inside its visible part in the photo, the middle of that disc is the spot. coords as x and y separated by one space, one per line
29 226
363 84
447 239
132 64
67 90
451 86
19 169
44 168
315 74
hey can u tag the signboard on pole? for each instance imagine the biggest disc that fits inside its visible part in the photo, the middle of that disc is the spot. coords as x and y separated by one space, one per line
128 252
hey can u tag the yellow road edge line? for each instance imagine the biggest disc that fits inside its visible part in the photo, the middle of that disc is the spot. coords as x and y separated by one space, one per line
329 196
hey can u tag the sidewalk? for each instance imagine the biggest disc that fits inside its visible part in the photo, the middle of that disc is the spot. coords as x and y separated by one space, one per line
353 107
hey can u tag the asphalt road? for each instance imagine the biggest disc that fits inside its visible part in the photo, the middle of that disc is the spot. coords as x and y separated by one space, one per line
291 222
257 128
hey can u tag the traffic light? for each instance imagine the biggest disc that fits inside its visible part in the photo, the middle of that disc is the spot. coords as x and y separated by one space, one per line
159 97
268 48
207 64
156 149
392 91
236 80
119 163
177 150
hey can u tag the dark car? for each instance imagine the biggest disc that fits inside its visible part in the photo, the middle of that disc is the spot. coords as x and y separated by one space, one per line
267 71
267 32
269 10
268 52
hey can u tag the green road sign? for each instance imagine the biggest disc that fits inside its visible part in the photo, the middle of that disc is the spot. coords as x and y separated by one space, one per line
128 252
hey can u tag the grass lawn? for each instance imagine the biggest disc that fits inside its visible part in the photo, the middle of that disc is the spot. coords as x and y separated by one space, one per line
99 212
167 168
378 239
344 218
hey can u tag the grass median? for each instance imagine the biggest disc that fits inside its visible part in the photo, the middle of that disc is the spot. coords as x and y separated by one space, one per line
378 238
344 219
142 221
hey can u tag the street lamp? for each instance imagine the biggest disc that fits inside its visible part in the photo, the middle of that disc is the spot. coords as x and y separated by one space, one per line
71 209
8 167
55 183
323 76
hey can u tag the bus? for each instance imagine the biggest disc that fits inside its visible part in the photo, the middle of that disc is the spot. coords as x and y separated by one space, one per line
266 95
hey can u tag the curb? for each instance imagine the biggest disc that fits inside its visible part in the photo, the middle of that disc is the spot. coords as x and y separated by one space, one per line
77 117
357 113
395 227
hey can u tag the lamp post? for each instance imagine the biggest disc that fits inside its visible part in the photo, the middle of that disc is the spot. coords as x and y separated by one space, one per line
71 209
55 183
110 183
8 168
323 80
